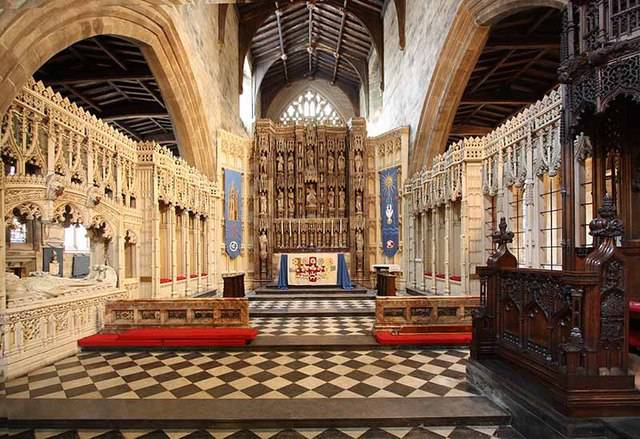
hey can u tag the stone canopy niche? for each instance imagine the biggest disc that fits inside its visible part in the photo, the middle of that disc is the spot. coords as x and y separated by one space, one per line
309 192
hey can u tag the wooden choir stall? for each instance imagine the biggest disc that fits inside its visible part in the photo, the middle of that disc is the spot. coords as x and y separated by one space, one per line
553 345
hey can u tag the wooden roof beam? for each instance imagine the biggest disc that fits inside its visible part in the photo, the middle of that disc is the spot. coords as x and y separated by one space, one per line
336 54
132 110
283 55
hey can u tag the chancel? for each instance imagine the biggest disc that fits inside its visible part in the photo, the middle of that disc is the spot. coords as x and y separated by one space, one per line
319 219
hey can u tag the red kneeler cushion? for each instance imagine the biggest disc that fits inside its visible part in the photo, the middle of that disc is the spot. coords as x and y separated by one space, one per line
634 338
432 338
172 337
634 307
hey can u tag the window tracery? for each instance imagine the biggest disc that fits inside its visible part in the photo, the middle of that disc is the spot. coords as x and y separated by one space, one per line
311 106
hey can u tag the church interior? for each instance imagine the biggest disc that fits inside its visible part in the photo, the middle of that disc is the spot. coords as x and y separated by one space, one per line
320 219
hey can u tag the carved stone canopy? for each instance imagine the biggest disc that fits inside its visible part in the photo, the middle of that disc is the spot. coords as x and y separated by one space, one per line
606 224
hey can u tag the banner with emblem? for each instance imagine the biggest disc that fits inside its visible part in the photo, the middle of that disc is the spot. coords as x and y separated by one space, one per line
389 210
232 212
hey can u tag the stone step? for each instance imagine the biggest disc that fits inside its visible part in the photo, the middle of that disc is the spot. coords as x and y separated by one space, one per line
370 295
274 290
254 413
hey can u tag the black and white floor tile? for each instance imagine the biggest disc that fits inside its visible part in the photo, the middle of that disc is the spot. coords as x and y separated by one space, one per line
250 375
316 325
459 432
306 304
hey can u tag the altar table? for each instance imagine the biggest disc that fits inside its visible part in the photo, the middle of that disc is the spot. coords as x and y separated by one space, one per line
313 269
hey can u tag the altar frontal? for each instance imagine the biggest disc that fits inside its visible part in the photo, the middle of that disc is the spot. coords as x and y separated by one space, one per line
313 270
310 269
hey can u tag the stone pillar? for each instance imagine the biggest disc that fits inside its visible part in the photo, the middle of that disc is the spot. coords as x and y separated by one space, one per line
411 252
3 289
425 242
434 249
187 251
447 248
197 262
419 251
173 263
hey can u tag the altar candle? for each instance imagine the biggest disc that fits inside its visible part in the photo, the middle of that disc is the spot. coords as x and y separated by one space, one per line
289 228
340 226
282 228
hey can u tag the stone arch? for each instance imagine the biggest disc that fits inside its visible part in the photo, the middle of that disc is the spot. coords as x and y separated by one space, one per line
462 48
340 101
37 32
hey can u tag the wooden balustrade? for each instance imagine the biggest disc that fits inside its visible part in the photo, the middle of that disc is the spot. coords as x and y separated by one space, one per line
215 312
424 314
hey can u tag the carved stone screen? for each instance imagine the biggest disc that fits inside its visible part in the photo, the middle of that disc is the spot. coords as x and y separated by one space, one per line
309 191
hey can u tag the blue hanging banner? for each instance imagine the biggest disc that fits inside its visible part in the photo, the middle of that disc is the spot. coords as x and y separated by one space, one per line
389 210
232 212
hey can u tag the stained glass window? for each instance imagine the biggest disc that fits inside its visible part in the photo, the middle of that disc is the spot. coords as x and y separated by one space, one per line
313 107
18 233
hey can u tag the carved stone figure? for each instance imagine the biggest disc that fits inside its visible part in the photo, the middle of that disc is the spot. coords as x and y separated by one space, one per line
290 164
280 163
54 265
358 162
331 162
291 202
311 160
262 245
55 186
41 285
311 197
341 199
263 203
359 240
358 202
341 163
280 200
331 200
263 163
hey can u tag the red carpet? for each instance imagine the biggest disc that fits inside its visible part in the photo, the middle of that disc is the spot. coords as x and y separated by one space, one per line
634 338
171 337
433 338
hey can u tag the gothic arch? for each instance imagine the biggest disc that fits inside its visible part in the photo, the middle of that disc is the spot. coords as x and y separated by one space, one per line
38 31
465 41
338 98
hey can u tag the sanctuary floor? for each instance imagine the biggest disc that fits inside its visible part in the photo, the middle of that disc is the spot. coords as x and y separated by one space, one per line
314 372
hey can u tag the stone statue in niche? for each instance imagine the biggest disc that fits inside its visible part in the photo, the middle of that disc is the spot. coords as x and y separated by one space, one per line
331 201
341 163
341 199
291 202
311 160
290 164
358 202
263 163
311 196
280 164
331 162
280 201
343 238
263 203
320 162
262 245
359 240
358 162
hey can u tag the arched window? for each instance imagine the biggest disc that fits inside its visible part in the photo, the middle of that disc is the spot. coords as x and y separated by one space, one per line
311 106
76 239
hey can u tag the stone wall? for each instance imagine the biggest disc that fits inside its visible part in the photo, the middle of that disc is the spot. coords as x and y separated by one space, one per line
214 62
408 72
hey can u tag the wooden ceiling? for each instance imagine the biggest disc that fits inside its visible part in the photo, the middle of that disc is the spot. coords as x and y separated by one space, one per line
109 77
516 68
325 39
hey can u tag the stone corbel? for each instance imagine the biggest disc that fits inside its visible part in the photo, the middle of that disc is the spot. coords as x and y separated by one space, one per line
55 186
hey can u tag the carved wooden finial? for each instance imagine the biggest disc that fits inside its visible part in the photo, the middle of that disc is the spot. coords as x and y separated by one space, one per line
502 236
606 224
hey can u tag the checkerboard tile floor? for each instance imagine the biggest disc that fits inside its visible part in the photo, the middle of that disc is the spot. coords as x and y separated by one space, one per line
460 432
250 375
341 325
302 304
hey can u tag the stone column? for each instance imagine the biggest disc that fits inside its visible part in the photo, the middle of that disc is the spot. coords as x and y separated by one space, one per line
3 289
197 262
447 248
434 249
187 251
425 242
419 252
172 249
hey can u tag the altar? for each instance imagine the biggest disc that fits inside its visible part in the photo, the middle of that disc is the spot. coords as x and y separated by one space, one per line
313 270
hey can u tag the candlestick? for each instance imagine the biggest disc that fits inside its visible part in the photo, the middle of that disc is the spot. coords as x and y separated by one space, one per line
289 228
